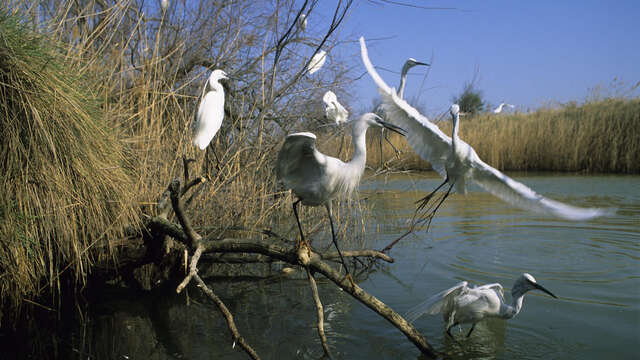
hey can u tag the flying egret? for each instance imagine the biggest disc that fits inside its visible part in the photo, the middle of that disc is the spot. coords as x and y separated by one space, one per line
334 111
498 110
302 22
462 304
317 61
211 110
458 163
316 178
411 62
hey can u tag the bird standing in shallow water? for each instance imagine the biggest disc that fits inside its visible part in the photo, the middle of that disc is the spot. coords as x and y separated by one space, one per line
316 179
468 305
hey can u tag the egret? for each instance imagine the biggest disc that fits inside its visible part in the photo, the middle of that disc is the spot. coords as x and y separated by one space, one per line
498 110
316 178
164 4
411 62
302 22
211 110
458 163
317 61
462 304
334 111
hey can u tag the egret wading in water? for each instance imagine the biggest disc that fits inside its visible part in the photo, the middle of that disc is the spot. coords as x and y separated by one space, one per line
316 178
458 163
334 111
462 304
498 110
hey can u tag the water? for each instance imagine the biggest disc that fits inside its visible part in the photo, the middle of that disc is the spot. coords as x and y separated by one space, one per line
591 266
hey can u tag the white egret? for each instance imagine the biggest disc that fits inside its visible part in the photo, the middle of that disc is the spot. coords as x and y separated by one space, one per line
316 178
458 163
211 110
498 110
317 61
462 304
164 4
411 62
302 22
334 111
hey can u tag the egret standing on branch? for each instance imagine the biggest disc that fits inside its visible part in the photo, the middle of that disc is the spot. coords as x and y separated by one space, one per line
317 61
316 178
458 163
334 111
498 110
463 305
211 110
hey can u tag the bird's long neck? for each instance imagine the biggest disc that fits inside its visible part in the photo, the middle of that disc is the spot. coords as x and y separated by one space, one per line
403 81
454 132
359 147
517 299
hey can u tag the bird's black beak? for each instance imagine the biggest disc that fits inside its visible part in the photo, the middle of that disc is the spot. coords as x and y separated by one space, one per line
421 63
541 288
391 127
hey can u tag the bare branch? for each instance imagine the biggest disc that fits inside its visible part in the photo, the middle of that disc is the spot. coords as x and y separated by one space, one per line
320 311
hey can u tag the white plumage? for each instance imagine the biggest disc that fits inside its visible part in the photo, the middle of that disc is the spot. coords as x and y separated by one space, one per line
334 111
317 61
411 62
462 304
210 111
500 107
302 22
316 178
458 163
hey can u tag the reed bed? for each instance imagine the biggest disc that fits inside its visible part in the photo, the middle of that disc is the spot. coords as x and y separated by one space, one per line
595 137
97 102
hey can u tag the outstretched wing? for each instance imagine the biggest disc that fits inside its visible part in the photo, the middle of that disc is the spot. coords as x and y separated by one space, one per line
436 304
424 137
495 287
317 61
519 195
299 160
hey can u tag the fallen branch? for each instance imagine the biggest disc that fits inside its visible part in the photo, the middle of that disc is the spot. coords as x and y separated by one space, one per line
320 311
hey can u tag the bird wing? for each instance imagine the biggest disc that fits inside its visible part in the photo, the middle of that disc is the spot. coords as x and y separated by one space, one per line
208 118
299 160
437 303
495 287
519 195
425 137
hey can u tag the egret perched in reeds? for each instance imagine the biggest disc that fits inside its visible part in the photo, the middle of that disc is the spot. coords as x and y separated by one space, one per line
458 163
500 107
317 61
211 110
334 111
462 304
316 178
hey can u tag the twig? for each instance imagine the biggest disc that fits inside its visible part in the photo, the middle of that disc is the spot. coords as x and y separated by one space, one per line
320 311
193 238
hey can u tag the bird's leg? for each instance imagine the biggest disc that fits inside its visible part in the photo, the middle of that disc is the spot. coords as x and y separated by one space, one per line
335 243
295 212
449 330
432 214
381 155
425 200
471 330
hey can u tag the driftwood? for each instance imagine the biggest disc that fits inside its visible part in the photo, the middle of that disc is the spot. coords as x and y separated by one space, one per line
249 250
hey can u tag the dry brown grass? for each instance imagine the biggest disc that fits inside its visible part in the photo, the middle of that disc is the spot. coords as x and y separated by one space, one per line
596 137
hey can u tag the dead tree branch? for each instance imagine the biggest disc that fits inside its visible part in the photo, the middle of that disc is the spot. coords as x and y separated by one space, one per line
320 311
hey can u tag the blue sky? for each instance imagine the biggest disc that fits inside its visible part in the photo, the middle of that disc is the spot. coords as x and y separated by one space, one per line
528 53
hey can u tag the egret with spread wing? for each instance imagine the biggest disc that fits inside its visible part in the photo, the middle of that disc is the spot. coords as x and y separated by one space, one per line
316 178
498 110
458 163
334 111
462 304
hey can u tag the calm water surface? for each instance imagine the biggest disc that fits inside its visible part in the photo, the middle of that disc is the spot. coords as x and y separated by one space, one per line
593 267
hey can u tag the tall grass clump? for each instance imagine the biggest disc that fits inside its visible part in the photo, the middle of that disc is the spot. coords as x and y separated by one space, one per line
66 187
595 137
